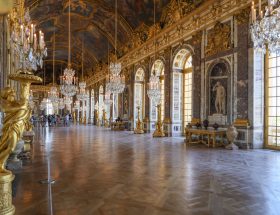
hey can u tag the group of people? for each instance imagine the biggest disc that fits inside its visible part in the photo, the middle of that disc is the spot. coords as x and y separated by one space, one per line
53 120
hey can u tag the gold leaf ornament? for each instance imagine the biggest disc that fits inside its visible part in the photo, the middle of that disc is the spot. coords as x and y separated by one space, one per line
5 6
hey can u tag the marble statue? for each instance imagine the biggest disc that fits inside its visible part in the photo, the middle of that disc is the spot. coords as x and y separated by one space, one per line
220 98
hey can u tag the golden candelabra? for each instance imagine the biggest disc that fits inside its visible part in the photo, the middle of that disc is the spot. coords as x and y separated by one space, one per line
138 129
74 117
97 118
17 113
159 131
105 121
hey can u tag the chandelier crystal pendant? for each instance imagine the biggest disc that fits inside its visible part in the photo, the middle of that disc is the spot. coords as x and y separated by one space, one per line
265 27
68 82
28 45
115 81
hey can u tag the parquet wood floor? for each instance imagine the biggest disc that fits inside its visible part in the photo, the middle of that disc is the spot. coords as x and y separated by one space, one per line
101 172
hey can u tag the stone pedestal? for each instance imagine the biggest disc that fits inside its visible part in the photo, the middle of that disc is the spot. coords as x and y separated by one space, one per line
6 206
220 119
13 163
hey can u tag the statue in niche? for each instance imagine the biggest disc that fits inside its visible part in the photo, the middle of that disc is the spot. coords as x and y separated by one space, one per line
220 98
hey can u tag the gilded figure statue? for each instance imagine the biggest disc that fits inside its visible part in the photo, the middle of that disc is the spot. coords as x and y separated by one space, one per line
15 120
17 113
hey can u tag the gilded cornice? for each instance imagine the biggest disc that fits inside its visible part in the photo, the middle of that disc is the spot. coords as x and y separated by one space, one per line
40 88
201 18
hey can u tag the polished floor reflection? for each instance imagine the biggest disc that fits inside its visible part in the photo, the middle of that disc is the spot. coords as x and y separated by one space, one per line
101 172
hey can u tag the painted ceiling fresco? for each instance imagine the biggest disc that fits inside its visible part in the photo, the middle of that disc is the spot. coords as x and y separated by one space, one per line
92 21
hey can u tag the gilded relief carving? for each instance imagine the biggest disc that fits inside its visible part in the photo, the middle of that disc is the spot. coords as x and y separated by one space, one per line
218 39
243 16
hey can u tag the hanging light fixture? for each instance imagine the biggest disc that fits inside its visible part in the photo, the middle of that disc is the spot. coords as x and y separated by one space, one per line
53 94
82 95
68 82
116 82
61 104
25 42
154 92
265 27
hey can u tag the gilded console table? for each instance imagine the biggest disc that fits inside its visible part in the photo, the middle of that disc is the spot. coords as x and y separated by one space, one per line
210 134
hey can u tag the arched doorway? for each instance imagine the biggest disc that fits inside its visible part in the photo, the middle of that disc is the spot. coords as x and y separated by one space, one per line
182 80
138 94
158 67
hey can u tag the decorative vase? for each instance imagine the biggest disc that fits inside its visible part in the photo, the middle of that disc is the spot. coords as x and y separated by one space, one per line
205 123
198 125
215 126
231 136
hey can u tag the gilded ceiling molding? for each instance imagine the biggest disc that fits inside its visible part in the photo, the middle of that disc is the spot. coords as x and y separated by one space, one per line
206 15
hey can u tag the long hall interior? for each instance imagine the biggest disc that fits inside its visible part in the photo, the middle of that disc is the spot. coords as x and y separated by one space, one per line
127 107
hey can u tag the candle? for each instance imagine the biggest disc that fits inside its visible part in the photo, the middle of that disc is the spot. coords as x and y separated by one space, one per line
21 33
260 6
254 17
261 14
32 32
35 42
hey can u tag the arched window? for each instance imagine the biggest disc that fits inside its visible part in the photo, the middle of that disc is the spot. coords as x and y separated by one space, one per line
138 94
182 90
272 122
158 67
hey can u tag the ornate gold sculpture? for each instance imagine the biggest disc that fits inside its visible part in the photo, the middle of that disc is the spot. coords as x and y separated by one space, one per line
218 39
17 113
138 129
104 119
159 131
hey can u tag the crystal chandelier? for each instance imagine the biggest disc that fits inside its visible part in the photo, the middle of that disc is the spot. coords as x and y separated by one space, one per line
68 82
26 44
154 89
115 82
43 104
77 105
107 97
61 104
82 95
53 94
265 28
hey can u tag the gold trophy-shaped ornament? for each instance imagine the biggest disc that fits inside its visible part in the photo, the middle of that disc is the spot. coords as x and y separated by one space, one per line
159 131
138 129
17 113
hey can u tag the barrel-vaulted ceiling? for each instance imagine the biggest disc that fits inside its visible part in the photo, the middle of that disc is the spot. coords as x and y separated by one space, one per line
92 21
